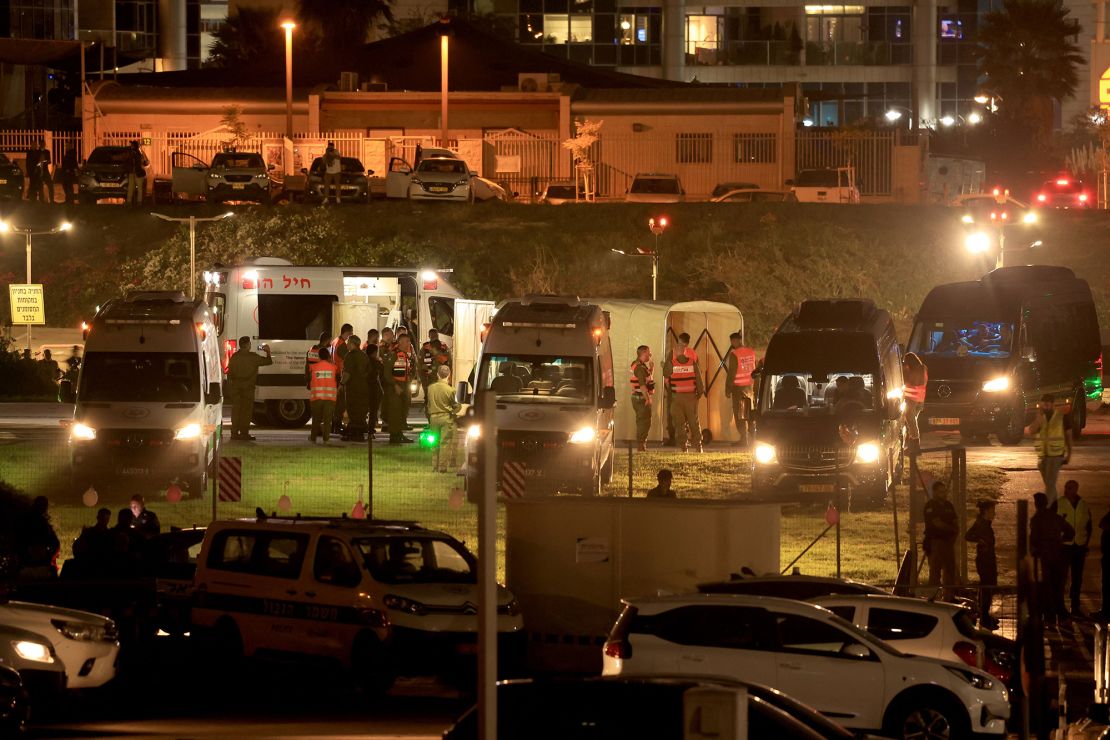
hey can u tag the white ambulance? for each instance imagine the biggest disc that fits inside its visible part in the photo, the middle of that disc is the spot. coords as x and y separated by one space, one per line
148 406
288 306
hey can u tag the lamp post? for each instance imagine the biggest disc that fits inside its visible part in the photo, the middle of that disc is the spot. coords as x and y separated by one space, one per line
657 227
192 221
28 232
288 26
443 57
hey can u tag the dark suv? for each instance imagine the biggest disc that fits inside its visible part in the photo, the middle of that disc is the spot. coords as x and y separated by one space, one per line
11 179
104 174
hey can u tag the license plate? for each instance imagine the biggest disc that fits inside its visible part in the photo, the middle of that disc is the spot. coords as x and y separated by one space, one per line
237 186
816 488
944 421
135 471
438 189
533 472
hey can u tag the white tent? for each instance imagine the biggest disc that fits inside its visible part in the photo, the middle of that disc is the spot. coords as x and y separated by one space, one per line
657 324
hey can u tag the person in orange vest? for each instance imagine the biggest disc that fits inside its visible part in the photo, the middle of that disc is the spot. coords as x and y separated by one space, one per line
915 376
322 391
396 376
313 356
338 352
685 386
642 379
741 364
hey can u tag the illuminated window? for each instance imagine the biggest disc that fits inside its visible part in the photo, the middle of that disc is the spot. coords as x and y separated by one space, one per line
693 148
702 33
834 10
564 29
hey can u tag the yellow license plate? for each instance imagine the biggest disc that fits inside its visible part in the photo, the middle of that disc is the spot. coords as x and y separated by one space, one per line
816 488
238 186
944 421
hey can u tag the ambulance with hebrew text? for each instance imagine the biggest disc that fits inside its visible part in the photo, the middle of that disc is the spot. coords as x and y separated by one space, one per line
288 306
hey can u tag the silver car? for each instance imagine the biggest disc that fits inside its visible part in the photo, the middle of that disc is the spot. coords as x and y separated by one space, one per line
441 179
239 176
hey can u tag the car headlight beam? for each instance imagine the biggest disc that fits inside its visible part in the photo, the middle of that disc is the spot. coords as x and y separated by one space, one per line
977 243
764 453
984 683
867 453
34 651
82 432
189 431
997 385
583 436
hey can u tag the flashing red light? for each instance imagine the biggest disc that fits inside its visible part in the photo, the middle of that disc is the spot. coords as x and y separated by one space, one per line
1041 197
996 192
1062 181
663 222
1082 197
248 284
994 216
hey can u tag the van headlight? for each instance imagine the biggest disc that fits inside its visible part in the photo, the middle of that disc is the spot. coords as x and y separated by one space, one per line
85 631
583 436
34 651
997 385
977 243
473 432
984 683
867 453
764 453
82 432
189 431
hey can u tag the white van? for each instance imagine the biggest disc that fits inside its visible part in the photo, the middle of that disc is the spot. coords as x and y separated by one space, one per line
148 406
834 185
381 598
288 306
549 362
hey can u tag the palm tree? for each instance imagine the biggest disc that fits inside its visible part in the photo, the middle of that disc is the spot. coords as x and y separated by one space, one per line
1028 57
343 24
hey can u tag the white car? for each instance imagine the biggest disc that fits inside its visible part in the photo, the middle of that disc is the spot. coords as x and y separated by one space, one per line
834 185
86 643
441 179
655 188
811 655
935 629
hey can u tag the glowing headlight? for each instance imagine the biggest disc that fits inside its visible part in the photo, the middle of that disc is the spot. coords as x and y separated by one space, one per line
1029 218
764 453
867 453
997 385
189 431
35 651
473 431
894 394
82 431
977 243
214 176
967 219
583 435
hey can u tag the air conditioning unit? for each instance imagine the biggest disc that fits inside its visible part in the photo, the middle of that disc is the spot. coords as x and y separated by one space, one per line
348 81
536 81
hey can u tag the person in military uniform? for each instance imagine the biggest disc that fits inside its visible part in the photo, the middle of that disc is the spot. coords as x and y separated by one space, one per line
338 355
396 376
942 526
242 376
642 379
433 355
685 386
356 384
374 380
443 410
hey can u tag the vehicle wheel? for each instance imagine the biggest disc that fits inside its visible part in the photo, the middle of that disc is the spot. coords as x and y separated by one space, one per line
288 413
929 719
1014 430
370 663
607 469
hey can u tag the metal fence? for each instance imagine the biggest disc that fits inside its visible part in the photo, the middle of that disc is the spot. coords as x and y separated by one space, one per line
871 153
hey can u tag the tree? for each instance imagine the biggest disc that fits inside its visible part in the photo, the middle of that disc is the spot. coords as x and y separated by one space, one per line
343 25
233 123
1029 58
249 36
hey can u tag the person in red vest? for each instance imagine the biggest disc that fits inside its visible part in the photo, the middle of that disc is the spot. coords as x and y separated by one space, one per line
323 387
642 380
685 386
915 376
741 364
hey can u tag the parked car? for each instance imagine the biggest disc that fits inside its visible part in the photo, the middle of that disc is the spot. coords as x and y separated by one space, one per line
104 174
655 188
15 703
40 670
485 189
1064 192
834 185
380 598
354 184
87 644
11 179
811 655
728 187
641 707
935 629
441 179
558 193
239 176
173 563
797 586
755 195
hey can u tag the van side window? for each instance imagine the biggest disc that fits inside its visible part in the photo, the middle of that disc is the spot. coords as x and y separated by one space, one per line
442 311
232 551
271 554
334 564
283 556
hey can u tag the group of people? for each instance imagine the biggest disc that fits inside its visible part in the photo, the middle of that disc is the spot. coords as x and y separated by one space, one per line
41 174
684 389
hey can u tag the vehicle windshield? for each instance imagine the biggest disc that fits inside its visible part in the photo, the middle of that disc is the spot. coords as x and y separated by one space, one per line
814 373
561 191
104 155
663 185
232 160
348 165
538 378
416 560
814 394
818 179
442 167
140 377
962 338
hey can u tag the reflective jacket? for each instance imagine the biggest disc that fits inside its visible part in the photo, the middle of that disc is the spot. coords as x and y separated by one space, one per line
323 386
683 378
1079 517
401 368
744 357
1049 440
916 392
634 381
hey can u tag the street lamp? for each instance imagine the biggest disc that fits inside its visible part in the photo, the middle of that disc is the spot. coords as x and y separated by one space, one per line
657 226
288 26
28 232
192 221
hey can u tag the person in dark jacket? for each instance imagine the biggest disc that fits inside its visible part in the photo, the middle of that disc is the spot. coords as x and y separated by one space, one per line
986 561
374 382
1047 533
38 543
68 175
941 529
356 388
145 521
664 478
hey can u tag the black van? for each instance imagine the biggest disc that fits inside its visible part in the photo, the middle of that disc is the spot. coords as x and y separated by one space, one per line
832 366
994 346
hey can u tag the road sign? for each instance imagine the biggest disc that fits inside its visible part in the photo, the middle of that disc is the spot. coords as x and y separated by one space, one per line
231 478
512 479
28 306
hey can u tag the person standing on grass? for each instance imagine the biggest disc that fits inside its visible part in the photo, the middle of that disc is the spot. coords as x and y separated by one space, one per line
313 355
941 528
1052 438
981 533
356 389
339 349
684 382
322 390
144 521
642 379
396 376
443 410
1047 533
38 543
663 488
374 384
1074 511
738 385
242 376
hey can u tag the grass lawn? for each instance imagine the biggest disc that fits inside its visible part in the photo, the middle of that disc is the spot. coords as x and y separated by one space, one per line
326 481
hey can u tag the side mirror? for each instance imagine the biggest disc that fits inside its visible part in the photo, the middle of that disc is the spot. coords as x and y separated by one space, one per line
304 170
214 394
608 397
462 392
369 172
271 168
855 650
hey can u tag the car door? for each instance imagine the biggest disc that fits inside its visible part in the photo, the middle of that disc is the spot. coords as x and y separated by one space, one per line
189 175
397 178
813 667
718 640
329 596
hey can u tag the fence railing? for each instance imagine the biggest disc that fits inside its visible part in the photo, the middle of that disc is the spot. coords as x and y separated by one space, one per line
871 153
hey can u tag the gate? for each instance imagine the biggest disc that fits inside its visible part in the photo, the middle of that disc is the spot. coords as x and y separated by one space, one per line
520 160
870 152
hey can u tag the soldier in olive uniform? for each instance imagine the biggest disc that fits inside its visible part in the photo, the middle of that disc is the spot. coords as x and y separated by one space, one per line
396 375
356 382
433 355
242 375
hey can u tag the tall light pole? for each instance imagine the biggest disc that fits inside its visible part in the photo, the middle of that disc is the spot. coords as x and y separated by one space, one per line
28 232
288 26
657 227
192 221
443 89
